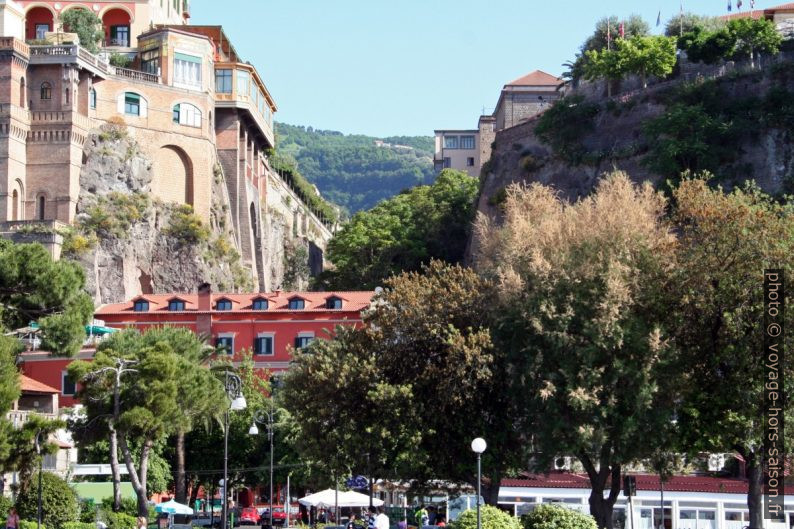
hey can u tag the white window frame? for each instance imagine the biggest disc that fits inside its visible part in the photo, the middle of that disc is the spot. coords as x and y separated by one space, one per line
226 335
189 114
272 337
143 108
188 74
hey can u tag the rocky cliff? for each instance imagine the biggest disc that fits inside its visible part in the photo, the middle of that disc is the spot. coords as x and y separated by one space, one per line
130 244
737 126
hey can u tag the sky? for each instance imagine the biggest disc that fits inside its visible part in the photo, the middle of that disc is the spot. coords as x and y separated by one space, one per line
407 67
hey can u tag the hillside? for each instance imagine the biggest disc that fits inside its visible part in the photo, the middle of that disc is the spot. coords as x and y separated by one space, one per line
737 127
351 170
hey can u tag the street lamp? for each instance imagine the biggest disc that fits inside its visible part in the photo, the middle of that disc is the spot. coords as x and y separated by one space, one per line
38 451
266 417
478 447
234 386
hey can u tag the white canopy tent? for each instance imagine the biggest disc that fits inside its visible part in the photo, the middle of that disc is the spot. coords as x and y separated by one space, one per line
329 498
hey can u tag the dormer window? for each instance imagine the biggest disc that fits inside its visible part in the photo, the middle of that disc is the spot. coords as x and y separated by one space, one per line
260 304
223 304
297 304
333 303
141 305
176 305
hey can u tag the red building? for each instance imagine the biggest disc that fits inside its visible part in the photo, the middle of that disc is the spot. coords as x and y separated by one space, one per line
270 325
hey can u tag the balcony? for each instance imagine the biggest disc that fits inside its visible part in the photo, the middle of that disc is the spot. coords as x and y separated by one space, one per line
243 89
68 53
20 417
135 75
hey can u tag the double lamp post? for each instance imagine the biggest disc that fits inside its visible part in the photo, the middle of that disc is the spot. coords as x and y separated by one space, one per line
234 392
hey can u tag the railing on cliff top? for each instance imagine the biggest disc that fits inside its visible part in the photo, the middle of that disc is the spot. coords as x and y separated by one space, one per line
287 178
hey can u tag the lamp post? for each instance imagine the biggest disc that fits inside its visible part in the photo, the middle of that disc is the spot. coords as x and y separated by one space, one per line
234 392
478 447
38 451
266 417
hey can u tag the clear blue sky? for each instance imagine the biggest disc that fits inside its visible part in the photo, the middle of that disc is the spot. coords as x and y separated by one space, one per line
393 67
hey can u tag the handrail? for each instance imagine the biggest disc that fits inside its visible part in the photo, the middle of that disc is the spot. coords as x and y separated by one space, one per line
136 75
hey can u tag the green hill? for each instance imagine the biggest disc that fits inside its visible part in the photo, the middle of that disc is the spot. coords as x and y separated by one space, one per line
351 170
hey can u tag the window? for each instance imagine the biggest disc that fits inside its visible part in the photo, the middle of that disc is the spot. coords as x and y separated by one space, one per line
46 90
68 387
263 345
297 304
132 104
450 142
141 306
150 61
260 304
243 80
333 303
303 341
225 344
187 69
470 161
92 98
223 81
176 305
223 304
467 142
187 114
42 202
41 31
447 163
120 36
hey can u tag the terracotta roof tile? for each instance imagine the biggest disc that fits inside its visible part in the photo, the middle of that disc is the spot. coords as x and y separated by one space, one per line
536 78
34 386
565 480
353 301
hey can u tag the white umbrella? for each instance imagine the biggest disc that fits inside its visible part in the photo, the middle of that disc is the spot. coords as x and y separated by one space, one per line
328 498
173 507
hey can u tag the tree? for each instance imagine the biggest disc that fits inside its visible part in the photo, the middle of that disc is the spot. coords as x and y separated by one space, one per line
402 233
639 55
345 417
86 24
755 35
682 23
708 47
634 26
727 240
9 392
580 320
58 500
149 404
33 287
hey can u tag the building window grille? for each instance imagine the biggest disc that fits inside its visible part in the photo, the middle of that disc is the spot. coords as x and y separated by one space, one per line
141 306
150 61
223 81
260 304
450 142
176 305
187 69
467 142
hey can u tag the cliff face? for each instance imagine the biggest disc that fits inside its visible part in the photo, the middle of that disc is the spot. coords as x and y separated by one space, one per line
130 244
738 127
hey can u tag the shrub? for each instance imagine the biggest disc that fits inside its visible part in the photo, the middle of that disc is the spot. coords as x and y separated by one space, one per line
30 524
186 226
76 244
117 520
557 517
5 504
120 60
59 501
79 525
563 126
530 163
492 518
87 25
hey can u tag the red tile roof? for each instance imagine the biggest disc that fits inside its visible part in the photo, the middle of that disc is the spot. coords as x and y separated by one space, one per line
565 480
758 13
277 301
34 386
536 78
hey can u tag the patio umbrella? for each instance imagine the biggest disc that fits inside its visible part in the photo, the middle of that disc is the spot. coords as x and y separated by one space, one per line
327 499
173 507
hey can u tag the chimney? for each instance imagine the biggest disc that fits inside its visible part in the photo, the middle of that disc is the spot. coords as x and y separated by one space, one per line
204 318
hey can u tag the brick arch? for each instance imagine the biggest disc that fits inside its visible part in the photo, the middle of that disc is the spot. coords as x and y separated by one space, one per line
173 175
104 11
18 201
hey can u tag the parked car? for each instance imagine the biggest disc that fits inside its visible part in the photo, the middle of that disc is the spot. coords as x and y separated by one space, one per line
249 516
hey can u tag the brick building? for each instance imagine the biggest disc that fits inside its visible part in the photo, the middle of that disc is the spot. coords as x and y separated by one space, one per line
270 325
519 100
196 109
